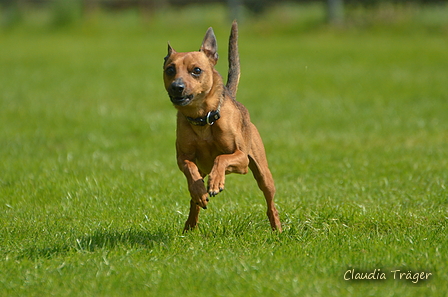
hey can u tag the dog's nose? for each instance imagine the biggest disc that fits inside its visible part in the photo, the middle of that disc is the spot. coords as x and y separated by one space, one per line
178 87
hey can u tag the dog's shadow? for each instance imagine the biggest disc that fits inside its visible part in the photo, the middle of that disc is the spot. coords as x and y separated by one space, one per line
100 239
130 238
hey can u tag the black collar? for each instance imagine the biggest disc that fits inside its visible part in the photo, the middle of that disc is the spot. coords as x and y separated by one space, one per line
210 118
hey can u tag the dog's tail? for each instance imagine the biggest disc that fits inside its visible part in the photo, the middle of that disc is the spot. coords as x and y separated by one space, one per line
233 76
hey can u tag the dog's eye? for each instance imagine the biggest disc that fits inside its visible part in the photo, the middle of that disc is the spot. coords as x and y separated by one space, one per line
170 71
196 71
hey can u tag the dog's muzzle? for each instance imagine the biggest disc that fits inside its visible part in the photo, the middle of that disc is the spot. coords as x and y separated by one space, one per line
177 93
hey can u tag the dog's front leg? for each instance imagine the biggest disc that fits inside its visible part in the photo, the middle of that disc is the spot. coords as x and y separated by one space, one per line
195 182
228 163
196 187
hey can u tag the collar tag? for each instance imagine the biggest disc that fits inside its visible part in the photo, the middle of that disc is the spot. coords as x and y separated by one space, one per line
211 118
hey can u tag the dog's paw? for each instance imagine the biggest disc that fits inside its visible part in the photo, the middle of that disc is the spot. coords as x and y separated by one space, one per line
203 201
215 186
213 193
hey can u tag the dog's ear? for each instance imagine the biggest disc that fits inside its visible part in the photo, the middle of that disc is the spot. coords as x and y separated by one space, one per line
210 45
170 51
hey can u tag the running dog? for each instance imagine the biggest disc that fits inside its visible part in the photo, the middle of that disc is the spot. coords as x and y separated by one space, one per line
215 136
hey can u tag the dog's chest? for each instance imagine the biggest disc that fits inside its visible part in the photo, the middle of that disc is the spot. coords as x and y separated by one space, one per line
208 147
206 152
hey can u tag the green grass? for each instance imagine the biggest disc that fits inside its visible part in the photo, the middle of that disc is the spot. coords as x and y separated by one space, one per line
355 125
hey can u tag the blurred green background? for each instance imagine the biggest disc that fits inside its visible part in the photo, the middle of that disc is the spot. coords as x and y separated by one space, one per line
352 108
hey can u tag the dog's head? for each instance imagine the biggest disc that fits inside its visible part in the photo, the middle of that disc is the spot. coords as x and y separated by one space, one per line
188 77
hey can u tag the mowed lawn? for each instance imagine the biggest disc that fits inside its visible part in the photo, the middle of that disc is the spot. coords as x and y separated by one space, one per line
354 121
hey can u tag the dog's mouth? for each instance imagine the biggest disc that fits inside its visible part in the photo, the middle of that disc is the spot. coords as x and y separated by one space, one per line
181 101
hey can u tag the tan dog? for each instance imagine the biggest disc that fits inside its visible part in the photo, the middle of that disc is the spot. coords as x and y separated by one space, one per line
214 134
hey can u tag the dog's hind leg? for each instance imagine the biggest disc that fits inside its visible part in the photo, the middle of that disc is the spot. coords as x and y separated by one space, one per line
193 217
258 164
